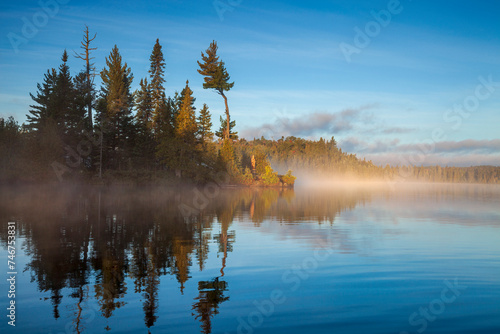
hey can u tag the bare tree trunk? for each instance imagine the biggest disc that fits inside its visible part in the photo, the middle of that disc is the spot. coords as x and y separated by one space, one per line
88 67
85 55
228 118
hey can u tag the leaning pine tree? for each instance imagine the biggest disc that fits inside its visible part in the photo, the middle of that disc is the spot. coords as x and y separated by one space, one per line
216 77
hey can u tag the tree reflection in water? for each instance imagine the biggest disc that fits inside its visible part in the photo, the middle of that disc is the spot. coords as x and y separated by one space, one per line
99 243
211 294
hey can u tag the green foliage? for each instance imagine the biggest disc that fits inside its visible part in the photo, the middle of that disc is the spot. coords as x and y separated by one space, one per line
165 136
186 126
58 117
144 105
228 161
288 178
117 78
156 71
261 162
222 130
180 97
214 71
217 78
114 111
10 146
270 177
43 109
204 121
247 177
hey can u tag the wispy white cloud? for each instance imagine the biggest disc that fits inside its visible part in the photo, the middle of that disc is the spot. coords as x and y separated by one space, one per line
457 153
363 121
309 125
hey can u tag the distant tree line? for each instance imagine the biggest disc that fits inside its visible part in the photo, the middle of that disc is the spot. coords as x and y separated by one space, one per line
324 158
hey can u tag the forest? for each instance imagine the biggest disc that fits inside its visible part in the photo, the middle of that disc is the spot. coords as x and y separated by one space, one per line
77 132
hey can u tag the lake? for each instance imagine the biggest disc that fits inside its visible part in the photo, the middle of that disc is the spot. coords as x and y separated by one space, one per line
337 259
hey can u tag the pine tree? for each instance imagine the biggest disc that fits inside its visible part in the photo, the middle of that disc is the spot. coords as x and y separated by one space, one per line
71 117
55 99
185 133
43 144
221 133
186 122
156 71
216 77
205 125
180 98
116 78
144 104
114 113
64 94
56 121
43 109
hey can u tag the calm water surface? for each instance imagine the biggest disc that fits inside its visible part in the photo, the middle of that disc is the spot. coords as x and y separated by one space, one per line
343 260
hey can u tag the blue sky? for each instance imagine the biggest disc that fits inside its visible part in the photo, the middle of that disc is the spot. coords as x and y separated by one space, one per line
421 86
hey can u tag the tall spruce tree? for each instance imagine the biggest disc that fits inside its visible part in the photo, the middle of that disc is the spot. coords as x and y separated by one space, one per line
71 117
64 98
216 77
43 109
205 125
186 120
156 71
51 122
114 112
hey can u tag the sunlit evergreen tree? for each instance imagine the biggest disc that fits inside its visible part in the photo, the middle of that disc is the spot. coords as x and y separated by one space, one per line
114 112
216 77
